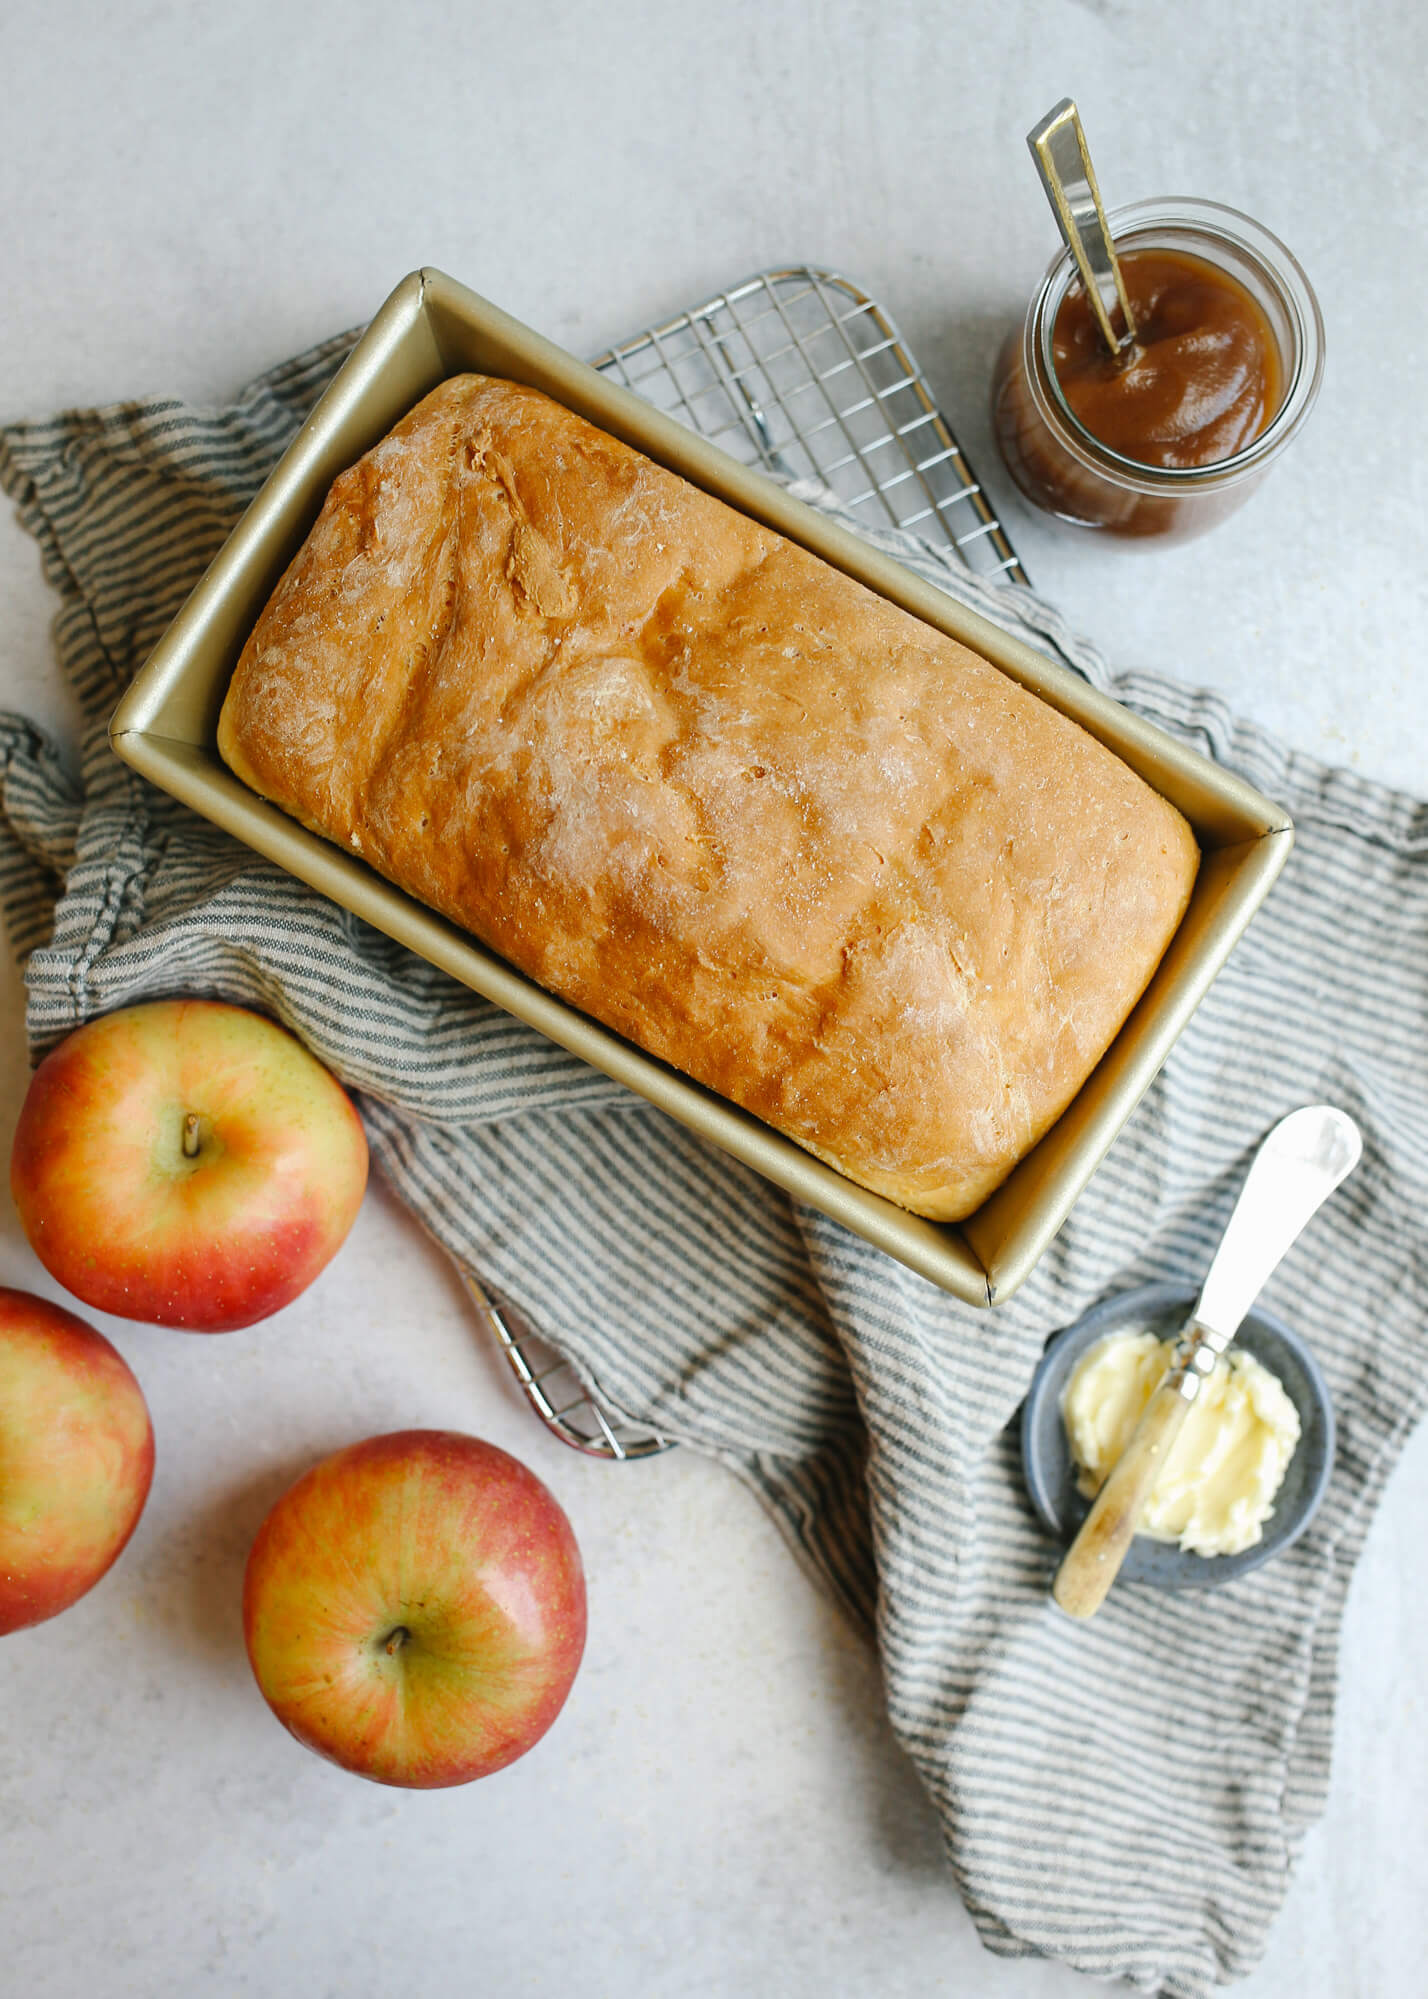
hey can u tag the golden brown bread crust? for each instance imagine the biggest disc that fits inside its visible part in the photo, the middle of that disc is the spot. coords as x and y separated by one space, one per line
710 790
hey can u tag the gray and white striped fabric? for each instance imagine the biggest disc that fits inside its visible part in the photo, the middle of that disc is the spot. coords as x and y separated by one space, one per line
871 1412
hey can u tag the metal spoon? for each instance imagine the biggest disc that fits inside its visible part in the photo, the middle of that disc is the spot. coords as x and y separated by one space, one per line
1058 145
1294 1172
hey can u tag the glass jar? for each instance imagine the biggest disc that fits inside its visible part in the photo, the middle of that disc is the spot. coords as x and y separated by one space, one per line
1063 469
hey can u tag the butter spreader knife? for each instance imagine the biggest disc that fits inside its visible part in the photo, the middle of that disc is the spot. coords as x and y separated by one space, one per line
1300 1163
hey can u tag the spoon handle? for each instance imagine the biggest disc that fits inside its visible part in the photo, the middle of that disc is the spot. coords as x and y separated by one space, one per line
1058 145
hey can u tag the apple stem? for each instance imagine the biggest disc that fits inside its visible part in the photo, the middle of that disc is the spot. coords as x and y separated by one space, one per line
190 1136
396 1639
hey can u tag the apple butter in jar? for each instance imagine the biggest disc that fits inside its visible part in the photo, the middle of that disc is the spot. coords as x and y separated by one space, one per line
1165 439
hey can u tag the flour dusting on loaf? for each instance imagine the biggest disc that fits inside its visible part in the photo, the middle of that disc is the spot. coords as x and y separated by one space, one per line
710 790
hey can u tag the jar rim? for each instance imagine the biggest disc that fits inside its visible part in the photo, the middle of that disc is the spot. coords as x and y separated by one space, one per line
1281 270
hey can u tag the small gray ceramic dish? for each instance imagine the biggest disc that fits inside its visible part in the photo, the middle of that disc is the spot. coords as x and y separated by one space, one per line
1163 1309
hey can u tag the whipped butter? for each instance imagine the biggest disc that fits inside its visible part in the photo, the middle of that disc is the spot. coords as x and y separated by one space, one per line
1218 1485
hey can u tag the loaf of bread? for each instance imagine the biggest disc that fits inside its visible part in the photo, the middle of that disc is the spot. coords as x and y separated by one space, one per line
710 790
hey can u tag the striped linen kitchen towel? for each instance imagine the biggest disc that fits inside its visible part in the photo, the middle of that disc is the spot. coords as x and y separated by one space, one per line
872 1413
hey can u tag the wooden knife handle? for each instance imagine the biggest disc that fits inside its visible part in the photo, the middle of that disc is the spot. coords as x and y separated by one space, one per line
1094 1558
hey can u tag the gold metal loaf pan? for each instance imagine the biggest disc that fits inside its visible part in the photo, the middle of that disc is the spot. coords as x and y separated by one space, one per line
431 327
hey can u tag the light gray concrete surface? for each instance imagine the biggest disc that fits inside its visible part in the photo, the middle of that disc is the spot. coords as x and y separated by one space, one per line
190 193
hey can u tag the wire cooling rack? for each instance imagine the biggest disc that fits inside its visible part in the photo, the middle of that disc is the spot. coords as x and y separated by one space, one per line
800 372
556 1392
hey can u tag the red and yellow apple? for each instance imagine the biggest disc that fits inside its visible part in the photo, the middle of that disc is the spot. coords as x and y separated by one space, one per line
414 1608
76 1458
186 1162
